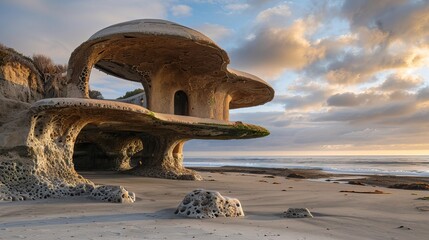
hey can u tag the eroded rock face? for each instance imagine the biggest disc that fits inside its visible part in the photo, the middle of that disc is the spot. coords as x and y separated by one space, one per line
24 186
23 83
19 82
298 213
202 203
36 160
19 182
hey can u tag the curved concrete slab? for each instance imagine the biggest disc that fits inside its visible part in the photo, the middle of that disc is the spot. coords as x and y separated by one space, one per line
112 116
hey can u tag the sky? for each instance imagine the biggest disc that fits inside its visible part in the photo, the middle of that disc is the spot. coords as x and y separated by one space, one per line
351 77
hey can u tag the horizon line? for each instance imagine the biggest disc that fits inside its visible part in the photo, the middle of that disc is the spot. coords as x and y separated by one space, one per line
309 153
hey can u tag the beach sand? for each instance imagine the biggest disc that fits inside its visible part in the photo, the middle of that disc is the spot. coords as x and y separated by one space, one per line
337 215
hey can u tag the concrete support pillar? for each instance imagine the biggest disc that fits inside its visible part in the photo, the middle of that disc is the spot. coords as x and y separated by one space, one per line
163 158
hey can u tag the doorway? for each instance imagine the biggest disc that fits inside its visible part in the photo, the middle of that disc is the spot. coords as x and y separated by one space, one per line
181 103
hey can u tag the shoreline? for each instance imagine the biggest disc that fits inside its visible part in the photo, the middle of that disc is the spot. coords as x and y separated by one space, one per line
390 181
415 166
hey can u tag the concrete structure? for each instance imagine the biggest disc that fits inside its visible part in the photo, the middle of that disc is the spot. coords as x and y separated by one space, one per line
189 92
182 72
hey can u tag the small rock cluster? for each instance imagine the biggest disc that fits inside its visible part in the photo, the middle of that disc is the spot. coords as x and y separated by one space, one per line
411 186
116 194
297 213
202 203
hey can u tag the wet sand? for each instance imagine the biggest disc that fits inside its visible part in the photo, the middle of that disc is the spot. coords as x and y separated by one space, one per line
396 214
374 180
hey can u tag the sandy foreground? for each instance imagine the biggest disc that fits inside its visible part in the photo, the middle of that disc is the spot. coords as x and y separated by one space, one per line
338 215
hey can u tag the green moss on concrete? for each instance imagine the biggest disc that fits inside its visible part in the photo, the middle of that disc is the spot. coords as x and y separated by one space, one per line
255 130
152 114
239 130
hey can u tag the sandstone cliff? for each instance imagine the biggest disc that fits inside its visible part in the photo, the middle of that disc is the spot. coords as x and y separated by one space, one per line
24 80
19 78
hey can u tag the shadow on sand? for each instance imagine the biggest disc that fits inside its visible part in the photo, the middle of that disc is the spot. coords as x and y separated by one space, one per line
167 213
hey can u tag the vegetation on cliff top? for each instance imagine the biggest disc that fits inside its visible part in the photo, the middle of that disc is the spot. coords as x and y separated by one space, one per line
47 67
131 93
11 55
38 63
94 94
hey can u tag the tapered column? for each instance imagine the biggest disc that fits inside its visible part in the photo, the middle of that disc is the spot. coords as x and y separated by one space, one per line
163 158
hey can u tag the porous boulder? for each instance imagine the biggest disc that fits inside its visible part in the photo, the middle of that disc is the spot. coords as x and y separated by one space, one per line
116 194
202 203
297 213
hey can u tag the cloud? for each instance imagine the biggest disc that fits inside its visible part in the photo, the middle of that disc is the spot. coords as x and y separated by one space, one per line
304 96
379 41
400 82
277 43
259 3
347 99
56 28
375 114
394 88
354 68
423 94
236 7
274 50
400 19
215 31
181 10
36 5
364 12
276 13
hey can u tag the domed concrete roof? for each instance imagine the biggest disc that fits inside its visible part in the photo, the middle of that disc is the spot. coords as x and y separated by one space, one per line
152 27
139 50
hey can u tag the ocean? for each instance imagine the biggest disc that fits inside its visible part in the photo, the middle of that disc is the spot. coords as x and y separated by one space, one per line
372 165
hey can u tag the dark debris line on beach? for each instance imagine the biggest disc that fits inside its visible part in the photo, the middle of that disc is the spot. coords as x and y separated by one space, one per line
398 182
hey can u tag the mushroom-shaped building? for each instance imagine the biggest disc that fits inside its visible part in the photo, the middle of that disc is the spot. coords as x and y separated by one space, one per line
184 73
189 92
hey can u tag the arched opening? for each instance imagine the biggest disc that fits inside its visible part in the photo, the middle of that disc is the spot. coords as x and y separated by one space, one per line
181 103
110 87
89 156
98 149
178 150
